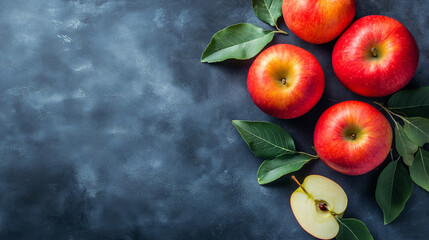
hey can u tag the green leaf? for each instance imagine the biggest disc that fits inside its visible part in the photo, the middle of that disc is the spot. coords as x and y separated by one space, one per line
271 170
265 139
404 146
239 41
419 171
268 10
353 229
393 190
412 103
417 130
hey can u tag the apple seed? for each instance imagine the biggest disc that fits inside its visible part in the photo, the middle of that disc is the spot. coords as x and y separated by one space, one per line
322 207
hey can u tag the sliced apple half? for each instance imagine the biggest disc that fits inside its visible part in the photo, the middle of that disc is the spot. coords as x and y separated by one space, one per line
316 203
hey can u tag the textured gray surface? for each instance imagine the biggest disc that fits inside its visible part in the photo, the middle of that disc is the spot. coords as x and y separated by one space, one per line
111 128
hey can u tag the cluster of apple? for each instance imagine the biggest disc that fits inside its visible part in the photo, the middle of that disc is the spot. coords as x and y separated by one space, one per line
376 56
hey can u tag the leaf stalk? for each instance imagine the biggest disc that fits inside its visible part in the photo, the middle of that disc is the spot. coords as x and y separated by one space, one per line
310 155
280 31
390 112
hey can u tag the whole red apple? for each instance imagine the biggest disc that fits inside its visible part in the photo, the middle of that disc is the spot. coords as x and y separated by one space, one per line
285 81
318 21
375 56
352 137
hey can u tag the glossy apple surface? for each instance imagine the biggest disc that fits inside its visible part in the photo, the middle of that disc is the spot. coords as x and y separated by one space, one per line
376 56
352 137
318 21
285 81
315 207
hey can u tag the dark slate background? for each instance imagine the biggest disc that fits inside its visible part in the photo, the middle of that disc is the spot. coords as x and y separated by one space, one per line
111 128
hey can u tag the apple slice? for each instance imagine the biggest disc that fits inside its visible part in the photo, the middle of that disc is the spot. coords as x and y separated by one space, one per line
316 203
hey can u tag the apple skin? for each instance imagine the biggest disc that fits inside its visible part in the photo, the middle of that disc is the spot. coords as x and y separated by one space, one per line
318 21
338 149
396 62
285 81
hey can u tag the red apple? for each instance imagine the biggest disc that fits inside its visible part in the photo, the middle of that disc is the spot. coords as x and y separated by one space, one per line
376 56
285 81
318 21
352 137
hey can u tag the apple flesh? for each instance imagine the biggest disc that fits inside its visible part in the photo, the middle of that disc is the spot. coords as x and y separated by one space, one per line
316 203
352 137
376 56
285 81
318 21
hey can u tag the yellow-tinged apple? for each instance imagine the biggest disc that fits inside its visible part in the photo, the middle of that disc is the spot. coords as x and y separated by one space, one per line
285 81
318 21
315 205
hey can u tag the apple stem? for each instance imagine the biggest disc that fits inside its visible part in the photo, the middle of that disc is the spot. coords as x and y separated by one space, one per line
353 136
284 81
296 180
374 52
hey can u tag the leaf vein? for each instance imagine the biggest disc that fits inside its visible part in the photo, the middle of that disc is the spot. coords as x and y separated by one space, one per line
424 166
243 43
269 12
287 165
268 142
354 235
416 127
391 191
